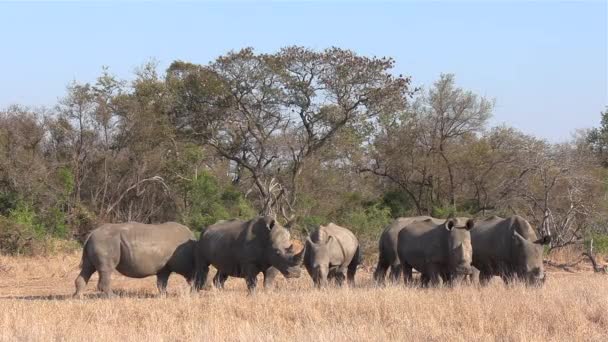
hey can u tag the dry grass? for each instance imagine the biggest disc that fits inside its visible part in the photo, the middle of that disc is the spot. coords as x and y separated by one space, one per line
35 305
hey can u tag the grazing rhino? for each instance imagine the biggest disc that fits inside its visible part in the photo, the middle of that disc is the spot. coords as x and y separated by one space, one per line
332 252
437 250
245 249
509 248
137 250
388 256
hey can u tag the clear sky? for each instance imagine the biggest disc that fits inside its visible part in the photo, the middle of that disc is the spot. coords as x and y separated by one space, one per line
544 62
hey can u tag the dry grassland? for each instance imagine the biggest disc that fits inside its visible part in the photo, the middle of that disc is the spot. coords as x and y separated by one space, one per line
35 304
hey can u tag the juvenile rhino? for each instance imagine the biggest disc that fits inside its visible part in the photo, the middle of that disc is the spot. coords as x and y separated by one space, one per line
332 252
388 256
245 249
436 250
137 250
509 248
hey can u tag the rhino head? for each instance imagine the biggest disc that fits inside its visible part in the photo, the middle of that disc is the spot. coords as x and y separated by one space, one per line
279 252
460 253
318 258
529 258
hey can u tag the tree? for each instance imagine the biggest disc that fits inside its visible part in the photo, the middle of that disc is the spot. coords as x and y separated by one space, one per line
597 139
412 149
269 113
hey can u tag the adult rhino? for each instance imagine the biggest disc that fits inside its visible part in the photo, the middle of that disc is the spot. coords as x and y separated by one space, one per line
508 248
137 250
388 256
244 249
332 252
269 275
436 250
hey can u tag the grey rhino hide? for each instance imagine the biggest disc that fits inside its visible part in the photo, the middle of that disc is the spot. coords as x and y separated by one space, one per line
137 250
437 250
332 252
387 248
245 249
509 248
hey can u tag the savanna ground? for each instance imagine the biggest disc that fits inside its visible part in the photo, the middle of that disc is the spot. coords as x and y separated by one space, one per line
36 304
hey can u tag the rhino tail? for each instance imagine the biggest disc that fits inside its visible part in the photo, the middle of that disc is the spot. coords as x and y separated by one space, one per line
357 258
84 250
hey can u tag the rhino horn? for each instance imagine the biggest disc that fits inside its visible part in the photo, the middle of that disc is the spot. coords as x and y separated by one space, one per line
297 258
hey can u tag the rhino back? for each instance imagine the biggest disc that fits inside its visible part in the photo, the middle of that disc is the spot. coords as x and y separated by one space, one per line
423 242
492 242
344 247
390 236
229 245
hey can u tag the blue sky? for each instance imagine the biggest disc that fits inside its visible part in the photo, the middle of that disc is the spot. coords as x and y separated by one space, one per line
544 62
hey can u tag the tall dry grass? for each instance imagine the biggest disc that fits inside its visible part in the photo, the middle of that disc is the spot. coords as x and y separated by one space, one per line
35 305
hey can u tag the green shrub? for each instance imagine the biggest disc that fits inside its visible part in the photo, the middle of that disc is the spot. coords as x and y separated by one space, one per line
600 243
398 202
15 238
210 203
368 221
24 215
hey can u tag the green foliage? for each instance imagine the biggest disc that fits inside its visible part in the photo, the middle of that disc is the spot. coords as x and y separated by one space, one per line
364 217
24 216
398 202
600 243
15 238
368 222
312 222
8 201
210 203
449 211
66 179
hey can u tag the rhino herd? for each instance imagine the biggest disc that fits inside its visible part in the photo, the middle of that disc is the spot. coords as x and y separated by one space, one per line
456 249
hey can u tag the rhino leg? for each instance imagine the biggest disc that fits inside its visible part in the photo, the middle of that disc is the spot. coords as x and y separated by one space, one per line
339 277
252 282
269 276
86 272
105 278
381 268
407 273
431 277
162 278
200 277
219 279
395 273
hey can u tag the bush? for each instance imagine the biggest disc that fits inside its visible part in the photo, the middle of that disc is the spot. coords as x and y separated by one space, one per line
210 203
16 238
600 243
367 222
398 202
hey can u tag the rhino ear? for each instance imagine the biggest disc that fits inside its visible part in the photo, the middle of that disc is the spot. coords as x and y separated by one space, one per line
545 240
449 224
470 224
270 222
